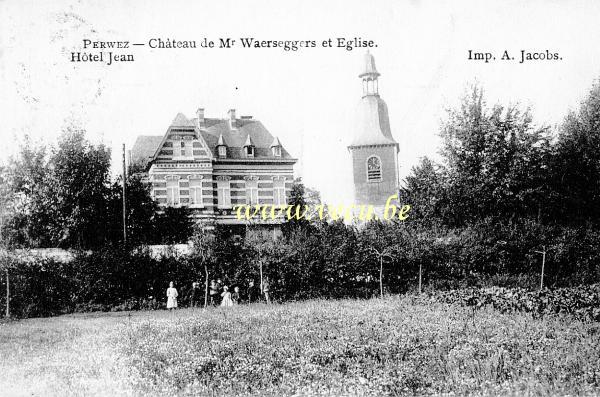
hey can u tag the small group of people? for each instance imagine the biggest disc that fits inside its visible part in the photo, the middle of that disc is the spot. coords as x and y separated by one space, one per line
219 294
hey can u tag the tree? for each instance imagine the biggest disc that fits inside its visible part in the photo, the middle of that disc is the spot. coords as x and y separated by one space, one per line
80 185
203 251
495 164
141 210
173 226
304 202
62 193
426 191
262 243
26 177
575 165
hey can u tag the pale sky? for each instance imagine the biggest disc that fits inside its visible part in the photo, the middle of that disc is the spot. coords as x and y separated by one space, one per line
307 98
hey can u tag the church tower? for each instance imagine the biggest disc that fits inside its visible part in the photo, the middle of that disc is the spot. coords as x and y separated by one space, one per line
373 148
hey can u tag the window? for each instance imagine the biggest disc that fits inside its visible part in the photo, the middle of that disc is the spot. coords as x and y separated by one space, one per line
222 151
223 194
279 192
183 154
276 151
373 169
250 151
251 192
196 192
173 192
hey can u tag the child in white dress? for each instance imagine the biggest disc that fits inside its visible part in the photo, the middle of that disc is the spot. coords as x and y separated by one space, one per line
226 295
172 297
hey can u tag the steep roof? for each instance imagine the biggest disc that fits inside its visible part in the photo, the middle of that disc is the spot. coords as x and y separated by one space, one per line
143 149
181 121
369 66
235 139
215 132
372 126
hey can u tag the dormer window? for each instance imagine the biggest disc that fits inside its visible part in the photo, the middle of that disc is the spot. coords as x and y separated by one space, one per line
249 147
276 147
221 147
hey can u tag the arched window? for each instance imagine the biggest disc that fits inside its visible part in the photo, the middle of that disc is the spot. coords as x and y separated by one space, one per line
373 169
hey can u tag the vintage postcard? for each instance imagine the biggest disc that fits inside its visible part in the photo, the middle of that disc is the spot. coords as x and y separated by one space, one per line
299 198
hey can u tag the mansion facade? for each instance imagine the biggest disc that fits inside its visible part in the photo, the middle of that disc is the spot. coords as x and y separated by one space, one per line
213 164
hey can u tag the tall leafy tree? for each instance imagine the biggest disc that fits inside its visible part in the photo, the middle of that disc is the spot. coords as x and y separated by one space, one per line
141 210
28 177
494 165
173 225
80 176
425 190
576 164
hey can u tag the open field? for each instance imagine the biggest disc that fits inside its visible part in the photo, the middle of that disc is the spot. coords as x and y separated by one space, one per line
394 346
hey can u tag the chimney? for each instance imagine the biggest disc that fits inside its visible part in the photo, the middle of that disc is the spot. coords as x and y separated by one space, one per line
200 115
231 114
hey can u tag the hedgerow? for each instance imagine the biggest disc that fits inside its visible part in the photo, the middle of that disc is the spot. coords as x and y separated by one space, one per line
582 301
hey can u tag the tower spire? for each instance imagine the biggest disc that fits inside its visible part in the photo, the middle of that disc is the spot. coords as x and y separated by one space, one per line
369 76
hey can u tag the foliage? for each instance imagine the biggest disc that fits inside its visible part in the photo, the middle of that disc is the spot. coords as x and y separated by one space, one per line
575 165
582 301
174 225
141 211
63 197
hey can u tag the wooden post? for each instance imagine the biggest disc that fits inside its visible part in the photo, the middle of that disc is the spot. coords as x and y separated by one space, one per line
543 252
7 295
543 265
381 276
261 277
420 276
124 200
205 286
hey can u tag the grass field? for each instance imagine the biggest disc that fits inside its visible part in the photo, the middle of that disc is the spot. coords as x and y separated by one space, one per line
393 346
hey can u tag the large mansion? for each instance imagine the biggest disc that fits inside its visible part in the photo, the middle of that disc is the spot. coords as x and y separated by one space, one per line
212 164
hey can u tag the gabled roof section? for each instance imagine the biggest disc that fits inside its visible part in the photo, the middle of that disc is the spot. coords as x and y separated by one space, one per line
216 132
248 141
143 149
235 139
275 142
181 121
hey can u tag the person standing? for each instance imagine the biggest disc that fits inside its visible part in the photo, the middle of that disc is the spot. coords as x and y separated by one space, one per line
219 290
235 296
172 297
213 292
195 295
265 288
226 298
251 291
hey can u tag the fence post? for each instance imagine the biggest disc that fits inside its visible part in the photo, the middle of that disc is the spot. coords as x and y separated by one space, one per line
420 276
543 265
380 276
7 295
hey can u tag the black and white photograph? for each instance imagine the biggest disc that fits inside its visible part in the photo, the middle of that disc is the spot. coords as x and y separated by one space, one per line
299 198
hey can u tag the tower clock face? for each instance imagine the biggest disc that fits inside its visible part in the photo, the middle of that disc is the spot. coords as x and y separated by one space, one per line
373 164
